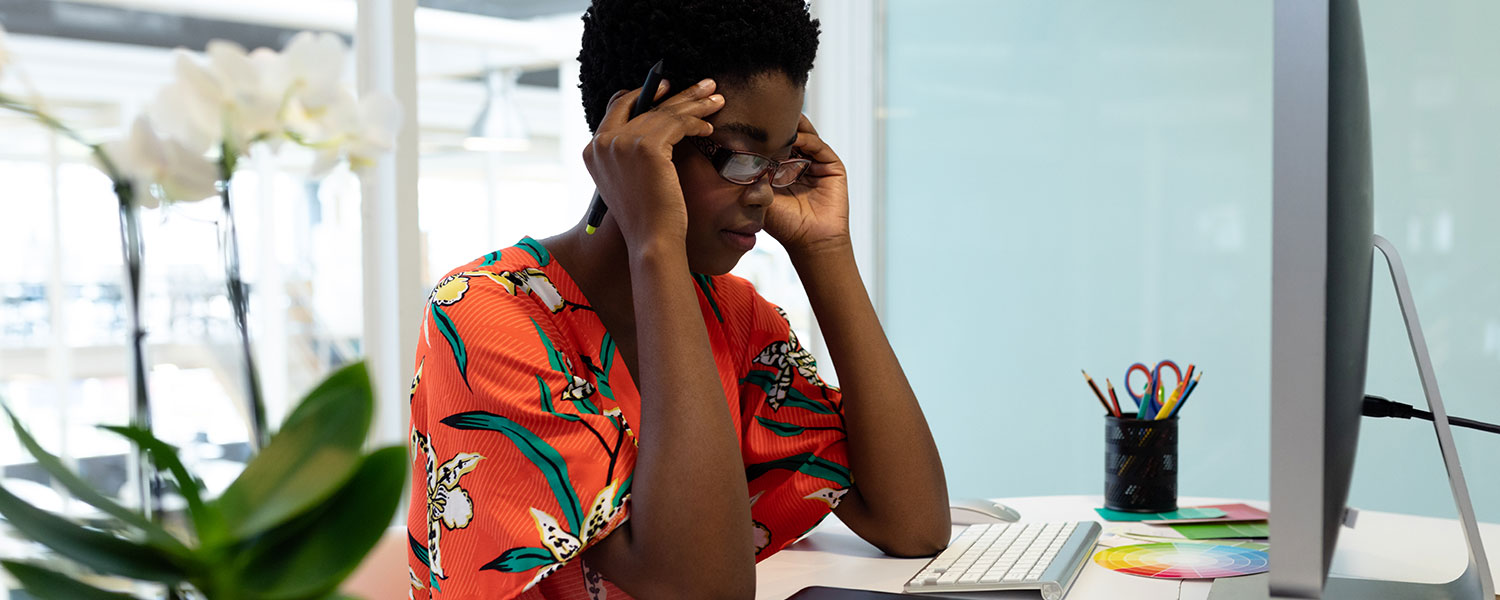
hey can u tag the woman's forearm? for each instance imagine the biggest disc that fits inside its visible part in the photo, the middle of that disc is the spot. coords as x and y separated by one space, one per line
900 496
689 533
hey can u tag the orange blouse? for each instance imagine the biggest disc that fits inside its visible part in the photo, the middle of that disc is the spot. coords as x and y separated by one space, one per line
521 434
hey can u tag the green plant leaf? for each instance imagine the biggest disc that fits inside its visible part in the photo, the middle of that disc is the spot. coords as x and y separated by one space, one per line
100 551
46 584
353 378
316 451
309 556
208 523
85 492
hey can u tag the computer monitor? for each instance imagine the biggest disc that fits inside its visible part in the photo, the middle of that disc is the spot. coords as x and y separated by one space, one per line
1321 270
1322 259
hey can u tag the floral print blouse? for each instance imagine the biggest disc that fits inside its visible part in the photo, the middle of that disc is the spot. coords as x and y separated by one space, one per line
521 438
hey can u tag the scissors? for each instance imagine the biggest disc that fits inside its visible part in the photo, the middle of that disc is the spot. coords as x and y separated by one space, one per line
1148 397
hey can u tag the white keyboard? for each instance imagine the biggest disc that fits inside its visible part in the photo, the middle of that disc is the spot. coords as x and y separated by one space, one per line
1011 556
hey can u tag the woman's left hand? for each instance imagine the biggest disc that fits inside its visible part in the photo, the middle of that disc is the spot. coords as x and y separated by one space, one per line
812 213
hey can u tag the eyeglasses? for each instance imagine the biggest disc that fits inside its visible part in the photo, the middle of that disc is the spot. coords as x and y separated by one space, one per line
745 168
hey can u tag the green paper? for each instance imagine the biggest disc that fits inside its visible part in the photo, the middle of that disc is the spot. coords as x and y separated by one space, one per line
1217 531
1185 513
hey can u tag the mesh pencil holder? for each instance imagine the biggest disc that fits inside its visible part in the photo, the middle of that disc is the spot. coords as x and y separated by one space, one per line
1140 464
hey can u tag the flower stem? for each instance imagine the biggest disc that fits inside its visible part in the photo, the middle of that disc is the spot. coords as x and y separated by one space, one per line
140 394
230 246
131 247
51 122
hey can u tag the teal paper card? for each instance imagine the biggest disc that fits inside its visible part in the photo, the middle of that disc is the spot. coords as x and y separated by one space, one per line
1185 513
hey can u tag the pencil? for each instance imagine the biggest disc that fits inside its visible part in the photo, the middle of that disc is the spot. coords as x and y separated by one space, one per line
1169 407
1097 393
1177 395
1189 392
1113 399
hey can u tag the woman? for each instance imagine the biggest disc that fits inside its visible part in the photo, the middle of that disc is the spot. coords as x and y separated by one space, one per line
611 414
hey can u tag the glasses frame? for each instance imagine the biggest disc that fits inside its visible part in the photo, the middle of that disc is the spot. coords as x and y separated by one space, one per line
720 156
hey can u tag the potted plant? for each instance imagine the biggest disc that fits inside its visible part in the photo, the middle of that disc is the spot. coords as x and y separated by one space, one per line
312 502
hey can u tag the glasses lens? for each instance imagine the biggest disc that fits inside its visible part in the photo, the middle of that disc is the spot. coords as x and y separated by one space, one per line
743 168
789 172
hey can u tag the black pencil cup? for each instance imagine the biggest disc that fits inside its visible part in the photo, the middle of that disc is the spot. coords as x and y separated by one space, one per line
1140 464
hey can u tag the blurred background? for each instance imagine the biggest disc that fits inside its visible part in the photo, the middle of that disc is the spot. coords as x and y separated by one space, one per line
1037 186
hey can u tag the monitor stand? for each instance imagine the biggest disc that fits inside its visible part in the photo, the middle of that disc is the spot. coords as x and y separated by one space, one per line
1475 583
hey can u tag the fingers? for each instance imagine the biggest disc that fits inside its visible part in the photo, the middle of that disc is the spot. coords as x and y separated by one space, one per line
618 111
696 102
812 146
805 124
825 161
697 91
686 111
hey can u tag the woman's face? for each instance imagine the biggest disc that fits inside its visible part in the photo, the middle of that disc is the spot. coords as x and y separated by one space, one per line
760 115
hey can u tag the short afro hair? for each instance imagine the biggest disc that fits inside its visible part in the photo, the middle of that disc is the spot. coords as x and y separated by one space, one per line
729 40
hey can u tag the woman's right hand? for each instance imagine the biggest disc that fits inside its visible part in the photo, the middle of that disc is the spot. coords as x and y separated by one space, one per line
631 161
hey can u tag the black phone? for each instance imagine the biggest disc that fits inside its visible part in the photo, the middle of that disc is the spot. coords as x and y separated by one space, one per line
643 103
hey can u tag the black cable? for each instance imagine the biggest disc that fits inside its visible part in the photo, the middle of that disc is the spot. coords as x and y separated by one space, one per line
1375 406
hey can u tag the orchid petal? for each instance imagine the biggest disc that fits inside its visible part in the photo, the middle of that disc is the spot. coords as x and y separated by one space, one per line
4 52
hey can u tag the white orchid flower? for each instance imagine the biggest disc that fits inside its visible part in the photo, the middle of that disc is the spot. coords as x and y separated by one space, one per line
359 130
380 120
235 99
250 106
180 173
310 69
225 100
4 53
189 109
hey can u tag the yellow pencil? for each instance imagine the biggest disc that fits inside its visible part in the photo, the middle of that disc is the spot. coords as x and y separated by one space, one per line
1167 409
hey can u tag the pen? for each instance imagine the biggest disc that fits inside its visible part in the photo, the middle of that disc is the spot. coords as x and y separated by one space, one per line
643 103
1097 393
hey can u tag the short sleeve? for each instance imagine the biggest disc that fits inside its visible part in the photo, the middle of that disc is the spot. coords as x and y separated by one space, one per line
518 464
795 451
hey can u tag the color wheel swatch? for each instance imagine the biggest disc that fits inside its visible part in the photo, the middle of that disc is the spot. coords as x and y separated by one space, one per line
1183 560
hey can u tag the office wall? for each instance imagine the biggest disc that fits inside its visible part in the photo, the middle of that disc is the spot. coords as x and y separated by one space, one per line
1086 184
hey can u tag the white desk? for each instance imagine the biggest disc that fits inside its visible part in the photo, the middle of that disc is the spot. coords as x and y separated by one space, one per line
1386 545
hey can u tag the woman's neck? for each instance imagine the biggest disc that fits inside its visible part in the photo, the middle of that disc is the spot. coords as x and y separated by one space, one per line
600 265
